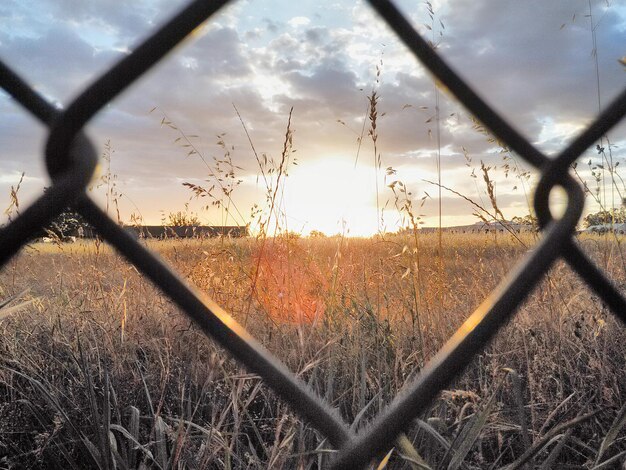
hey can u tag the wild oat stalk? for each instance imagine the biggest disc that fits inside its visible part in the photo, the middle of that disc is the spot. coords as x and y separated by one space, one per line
404 205
14 201
482 213
373 133
274 185
221 173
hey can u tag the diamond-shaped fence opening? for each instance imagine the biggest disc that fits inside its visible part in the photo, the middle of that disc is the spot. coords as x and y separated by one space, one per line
71 160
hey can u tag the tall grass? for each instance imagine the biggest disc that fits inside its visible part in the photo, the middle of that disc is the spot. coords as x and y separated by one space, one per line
101 371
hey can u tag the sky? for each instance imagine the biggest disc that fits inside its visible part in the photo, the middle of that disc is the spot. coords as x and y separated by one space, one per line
227 93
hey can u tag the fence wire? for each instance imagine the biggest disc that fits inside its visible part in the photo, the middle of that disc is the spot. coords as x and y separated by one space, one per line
71 160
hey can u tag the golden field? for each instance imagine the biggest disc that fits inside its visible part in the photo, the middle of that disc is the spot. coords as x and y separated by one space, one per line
100 370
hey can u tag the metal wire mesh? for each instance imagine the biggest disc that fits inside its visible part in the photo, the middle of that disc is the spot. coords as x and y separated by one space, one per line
71 159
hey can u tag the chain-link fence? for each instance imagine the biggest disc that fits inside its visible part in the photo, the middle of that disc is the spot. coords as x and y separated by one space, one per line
71 160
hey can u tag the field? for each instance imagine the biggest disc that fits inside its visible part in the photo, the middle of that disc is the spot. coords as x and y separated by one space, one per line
100 370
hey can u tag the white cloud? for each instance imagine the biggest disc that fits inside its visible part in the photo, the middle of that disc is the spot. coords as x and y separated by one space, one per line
298 21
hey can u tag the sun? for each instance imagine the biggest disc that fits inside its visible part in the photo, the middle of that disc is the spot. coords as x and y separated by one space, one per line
333 195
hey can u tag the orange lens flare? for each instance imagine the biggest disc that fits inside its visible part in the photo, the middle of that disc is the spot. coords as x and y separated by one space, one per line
289 288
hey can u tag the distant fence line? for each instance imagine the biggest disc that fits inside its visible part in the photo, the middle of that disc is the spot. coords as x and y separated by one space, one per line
187 231
483 228
150 231
71 159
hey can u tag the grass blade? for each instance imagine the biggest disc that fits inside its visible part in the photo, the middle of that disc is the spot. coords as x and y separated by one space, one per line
10 299
383 463
7 311
160 431
540 444
554 454
52 401
133 429
136 445
616 427
426 427
410 454
476 426
609 463
519 402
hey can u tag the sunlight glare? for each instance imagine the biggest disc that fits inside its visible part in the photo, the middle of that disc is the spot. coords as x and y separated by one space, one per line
324 193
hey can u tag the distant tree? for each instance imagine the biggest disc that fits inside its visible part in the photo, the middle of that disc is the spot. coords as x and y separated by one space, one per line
528 219
182 219
290 235
617 216
67 223
317 234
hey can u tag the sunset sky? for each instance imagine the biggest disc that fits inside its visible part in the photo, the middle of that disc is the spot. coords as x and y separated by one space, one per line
532 60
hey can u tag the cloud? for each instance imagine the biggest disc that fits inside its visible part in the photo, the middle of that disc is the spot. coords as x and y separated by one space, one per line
297 21
322 60
528 67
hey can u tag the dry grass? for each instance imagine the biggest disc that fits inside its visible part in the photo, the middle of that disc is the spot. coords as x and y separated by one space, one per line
102 371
